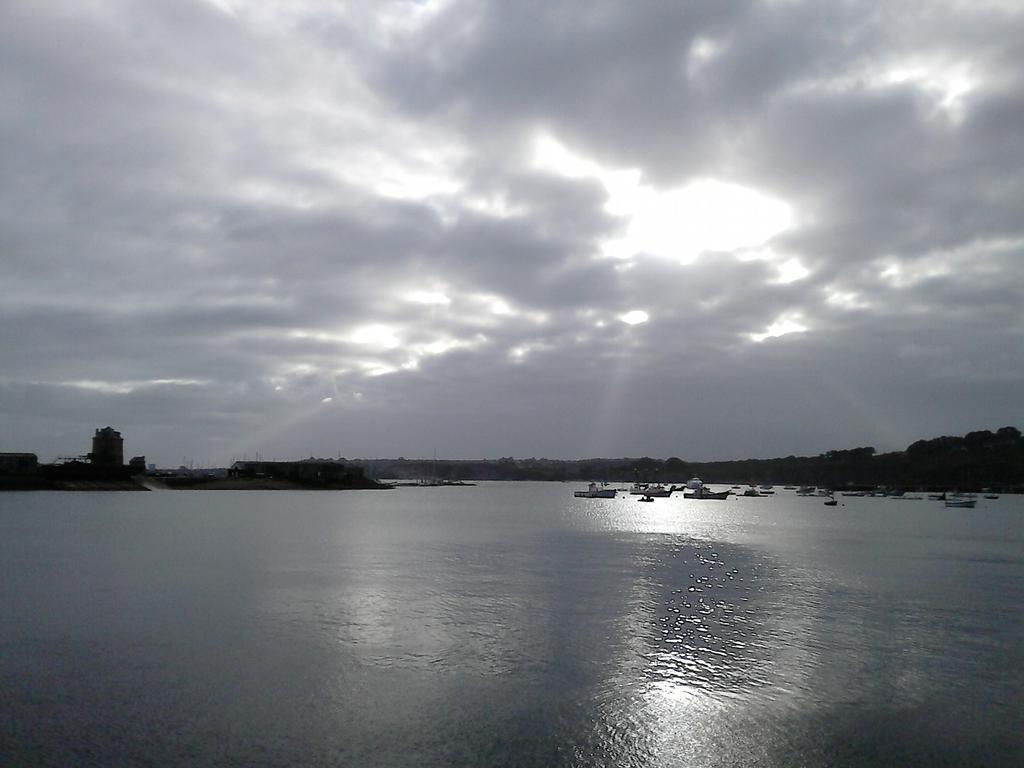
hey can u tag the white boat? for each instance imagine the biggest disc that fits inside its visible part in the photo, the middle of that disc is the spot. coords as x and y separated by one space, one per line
704 492
594 491
694 484
960 501
657 490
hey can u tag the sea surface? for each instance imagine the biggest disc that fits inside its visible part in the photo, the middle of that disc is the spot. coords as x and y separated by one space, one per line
508 624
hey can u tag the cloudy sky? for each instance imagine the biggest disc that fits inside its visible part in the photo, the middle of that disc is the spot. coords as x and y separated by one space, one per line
707 229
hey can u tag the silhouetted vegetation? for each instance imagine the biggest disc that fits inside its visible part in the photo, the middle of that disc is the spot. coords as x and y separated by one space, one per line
976 460
980 459
307 473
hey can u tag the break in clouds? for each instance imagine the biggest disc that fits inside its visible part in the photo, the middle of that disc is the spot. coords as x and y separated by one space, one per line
706 229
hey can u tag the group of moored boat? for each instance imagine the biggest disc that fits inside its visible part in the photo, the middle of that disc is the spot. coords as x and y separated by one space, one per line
695 489
954 499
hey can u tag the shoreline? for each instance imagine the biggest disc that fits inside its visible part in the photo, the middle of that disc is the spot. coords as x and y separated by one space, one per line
243 484
41 484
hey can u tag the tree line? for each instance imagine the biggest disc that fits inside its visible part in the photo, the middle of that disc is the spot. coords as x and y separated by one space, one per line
980 459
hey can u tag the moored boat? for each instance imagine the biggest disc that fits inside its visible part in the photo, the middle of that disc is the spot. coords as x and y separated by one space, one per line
657 490
706 493
960 501
594 491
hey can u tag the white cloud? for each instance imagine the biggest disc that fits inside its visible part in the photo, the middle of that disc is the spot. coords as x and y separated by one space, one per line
634 317
783 326
375 335
678 223
792 270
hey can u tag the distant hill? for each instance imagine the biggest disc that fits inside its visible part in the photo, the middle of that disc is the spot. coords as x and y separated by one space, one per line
981 459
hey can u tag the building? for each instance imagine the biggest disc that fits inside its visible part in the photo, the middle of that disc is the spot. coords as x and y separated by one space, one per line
19 464
107 448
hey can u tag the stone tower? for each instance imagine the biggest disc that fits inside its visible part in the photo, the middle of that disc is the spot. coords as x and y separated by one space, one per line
107 448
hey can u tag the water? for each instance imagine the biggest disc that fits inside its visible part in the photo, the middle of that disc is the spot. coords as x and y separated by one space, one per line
507 624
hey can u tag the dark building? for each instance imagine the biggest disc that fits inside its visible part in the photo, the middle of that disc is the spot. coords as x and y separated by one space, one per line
18 464
138 465
107 448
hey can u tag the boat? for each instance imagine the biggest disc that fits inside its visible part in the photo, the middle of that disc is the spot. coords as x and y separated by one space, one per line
805 490
657 490
831 502
960 501
706 493
751 491
646 498
594 491
990 496
695 489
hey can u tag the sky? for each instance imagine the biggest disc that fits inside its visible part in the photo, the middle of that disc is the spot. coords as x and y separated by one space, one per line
711 230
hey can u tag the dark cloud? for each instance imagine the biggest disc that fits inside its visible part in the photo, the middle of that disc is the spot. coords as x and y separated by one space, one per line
228 227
